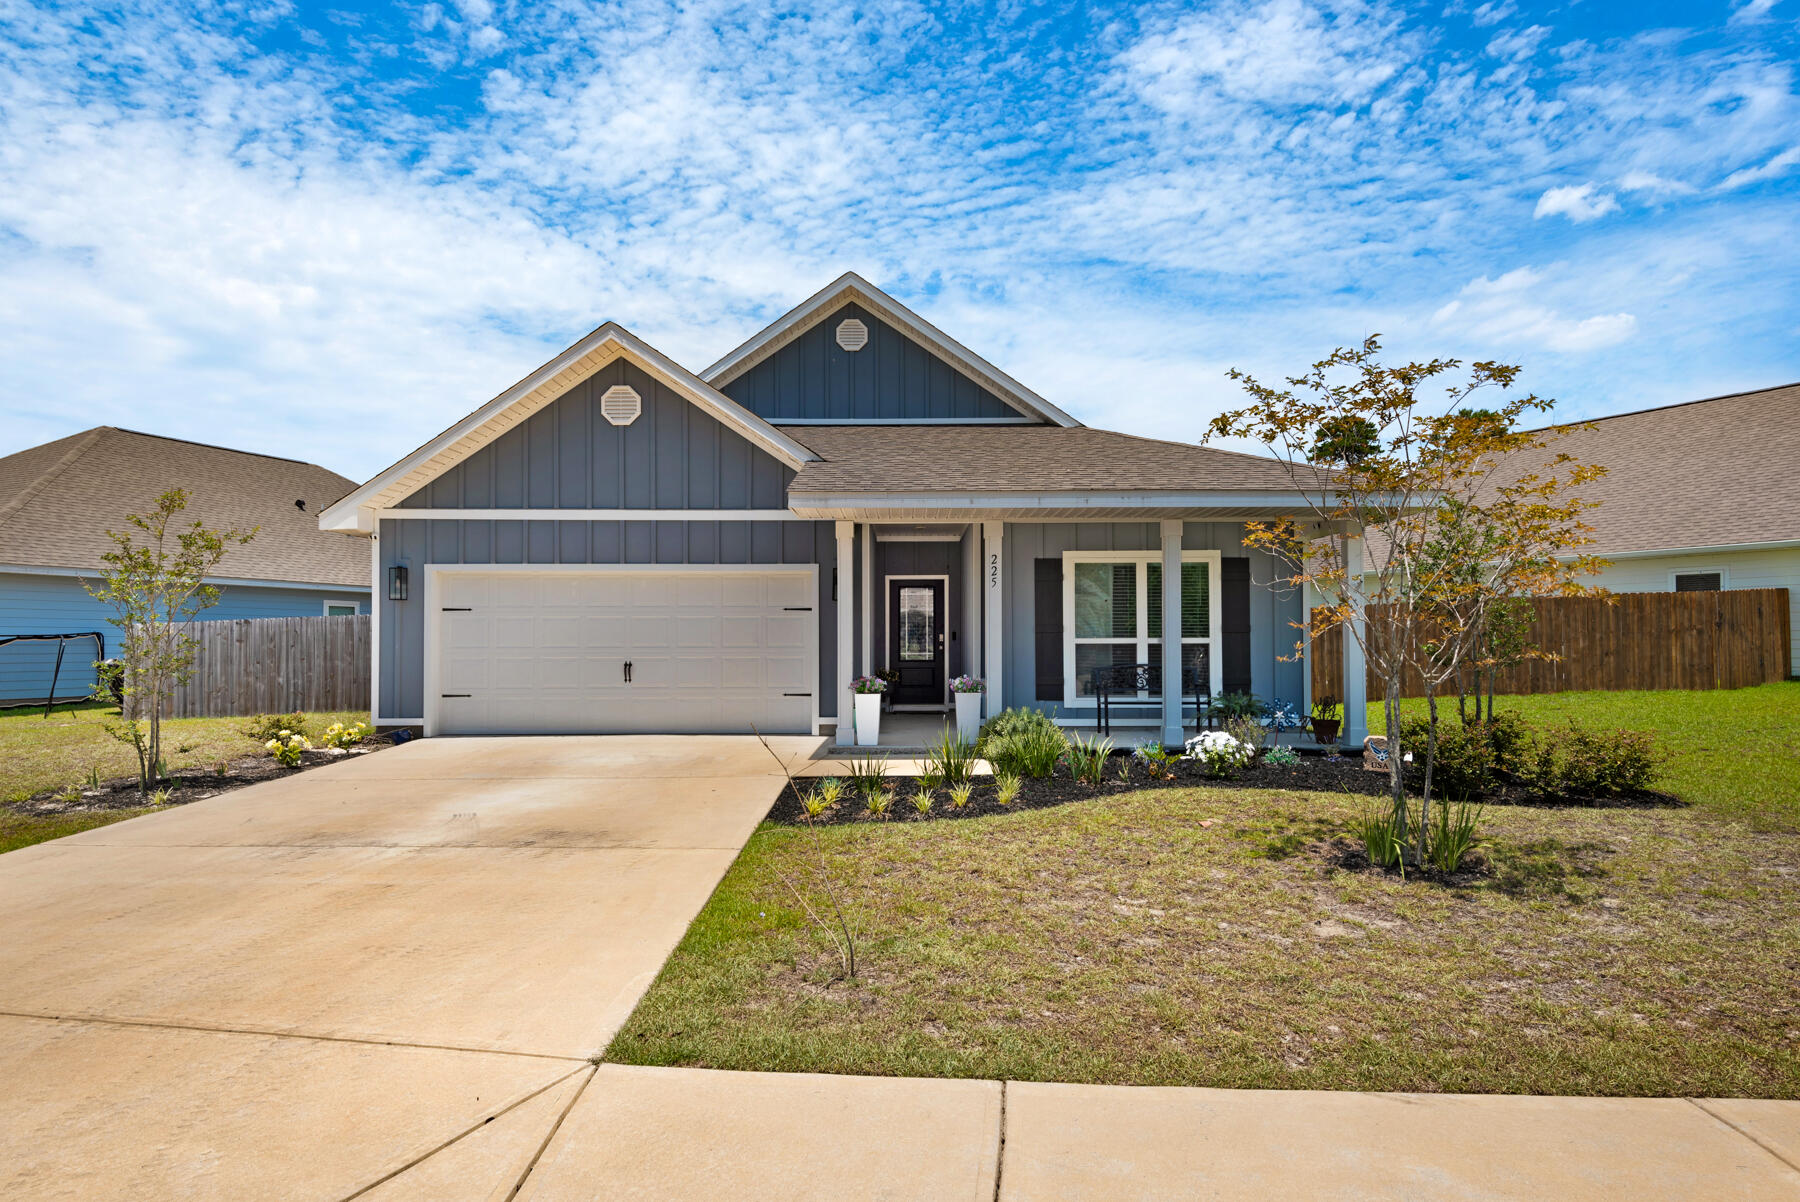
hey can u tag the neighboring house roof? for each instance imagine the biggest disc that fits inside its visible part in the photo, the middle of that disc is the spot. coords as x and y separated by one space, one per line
851 287
983 459
575 364
58 500
1724 471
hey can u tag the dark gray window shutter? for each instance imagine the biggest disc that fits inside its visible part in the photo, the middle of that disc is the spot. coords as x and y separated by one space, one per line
1234 623
1046 579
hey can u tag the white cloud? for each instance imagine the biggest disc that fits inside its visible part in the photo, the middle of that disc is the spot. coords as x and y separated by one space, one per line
1577 202
1493 13
1508 311
1777 166
1649 181
1751 11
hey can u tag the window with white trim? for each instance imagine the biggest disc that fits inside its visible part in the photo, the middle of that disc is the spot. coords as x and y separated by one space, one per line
1112 614
340 609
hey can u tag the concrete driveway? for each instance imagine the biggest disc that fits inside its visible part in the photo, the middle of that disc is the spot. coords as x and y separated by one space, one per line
304 988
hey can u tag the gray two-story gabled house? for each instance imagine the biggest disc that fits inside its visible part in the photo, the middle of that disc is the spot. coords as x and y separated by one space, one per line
617 544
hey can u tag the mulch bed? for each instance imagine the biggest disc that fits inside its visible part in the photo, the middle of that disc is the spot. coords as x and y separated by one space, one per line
1313 774
196 783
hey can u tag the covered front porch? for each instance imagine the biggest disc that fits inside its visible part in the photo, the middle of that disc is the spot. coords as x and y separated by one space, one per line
1051 607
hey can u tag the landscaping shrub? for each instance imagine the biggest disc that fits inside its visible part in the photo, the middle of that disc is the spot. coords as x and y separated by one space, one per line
1465 761
264 727
1024 742
1452 834
1571 761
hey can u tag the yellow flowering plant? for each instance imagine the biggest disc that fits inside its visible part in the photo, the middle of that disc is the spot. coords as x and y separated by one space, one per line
287 747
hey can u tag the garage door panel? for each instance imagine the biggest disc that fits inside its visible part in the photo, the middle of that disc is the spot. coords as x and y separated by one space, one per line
545 652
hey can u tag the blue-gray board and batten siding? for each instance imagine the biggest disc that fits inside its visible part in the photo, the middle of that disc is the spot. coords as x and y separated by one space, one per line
37 603
567 456
892 378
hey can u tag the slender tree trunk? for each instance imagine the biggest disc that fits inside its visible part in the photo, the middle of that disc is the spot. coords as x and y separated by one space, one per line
1430 763
1396 780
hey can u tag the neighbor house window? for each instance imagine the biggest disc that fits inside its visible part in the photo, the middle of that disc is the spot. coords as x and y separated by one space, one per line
340 609
1112 614
1698 582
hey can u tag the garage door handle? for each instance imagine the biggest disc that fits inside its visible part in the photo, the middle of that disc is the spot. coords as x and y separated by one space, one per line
796 694
454 694
457 609
627 671
796 609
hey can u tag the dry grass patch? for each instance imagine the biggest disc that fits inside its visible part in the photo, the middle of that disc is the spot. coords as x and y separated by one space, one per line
1207 937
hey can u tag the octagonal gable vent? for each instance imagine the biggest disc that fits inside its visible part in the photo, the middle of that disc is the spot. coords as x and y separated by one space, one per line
621 404
852 334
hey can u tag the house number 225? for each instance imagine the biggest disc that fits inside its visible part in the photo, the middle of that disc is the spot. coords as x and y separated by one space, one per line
993 569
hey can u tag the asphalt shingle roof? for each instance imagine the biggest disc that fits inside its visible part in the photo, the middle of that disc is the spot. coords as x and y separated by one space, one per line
1709 473
58 500
958 459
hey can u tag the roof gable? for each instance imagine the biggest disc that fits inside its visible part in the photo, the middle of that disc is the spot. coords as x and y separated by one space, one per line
852 289
889 378
543 386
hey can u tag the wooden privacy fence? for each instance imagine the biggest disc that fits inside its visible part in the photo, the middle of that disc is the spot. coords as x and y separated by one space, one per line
1715 640
275 666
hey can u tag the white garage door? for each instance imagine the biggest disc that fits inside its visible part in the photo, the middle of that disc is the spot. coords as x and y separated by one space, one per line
603 651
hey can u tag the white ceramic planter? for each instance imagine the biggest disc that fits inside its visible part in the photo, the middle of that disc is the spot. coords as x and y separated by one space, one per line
868 719
968 716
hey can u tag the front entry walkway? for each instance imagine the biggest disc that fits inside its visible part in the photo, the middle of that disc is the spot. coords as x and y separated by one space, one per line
307 987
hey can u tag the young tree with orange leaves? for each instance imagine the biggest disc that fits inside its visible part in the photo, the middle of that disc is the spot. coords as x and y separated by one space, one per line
1459 510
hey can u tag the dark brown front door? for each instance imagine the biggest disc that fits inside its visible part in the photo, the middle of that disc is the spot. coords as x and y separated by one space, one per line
916 640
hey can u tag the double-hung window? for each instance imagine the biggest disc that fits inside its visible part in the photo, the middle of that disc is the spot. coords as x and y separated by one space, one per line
1113 614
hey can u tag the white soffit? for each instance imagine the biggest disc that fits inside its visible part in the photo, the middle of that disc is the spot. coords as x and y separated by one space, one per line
851 288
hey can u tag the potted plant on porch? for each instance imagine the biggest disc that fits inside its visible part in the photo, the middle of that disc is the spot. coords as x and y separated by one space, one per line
968 690
1327 718
868 692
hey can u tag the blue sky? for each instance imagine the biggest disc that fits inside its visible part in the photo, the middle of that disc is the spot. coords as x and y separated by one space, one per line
329 231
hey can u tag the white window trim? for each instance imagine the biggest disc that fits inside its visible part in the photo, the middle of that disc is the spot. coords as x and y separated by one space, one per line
355 608
1215 661
1723 572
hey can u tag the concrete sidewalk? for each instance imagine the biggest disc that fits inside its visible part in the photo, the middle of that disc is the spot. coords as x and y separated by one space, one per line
688 1133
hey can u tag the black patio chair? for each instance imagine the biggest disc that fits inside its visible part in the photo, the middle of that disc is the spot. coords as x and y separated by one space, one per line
1121 684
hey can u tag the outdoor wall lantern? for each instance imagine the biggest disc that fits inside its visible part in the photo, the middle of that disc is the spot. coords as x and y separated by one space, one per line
397 582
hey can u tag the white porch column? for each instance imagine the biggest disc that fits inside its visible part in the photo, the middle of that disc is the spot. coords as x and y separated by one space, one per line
1307 601
993 642
1171 633
846 627
1356 674
868 599
971 601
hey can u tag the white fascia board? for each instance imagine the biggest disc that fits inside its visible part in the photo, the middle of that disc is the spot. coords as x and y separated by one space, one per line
975 502
1714 549
851 286
343 515
592 515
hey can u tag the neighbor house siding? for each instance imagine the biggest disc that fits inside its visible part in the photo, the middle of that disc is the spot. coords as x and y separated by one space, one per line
1272 609
567 456
1775 568
31 603
892 378
417 542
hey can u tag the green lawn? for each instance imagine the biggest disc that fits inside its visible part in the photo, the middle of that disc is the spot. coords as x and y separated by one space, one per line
39 753
1198 936
1733 752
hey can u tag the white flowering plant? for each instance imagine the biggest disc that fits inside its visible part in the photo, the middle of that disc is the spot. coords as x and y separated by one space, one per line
1218 754
339 735
967 684
287 747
